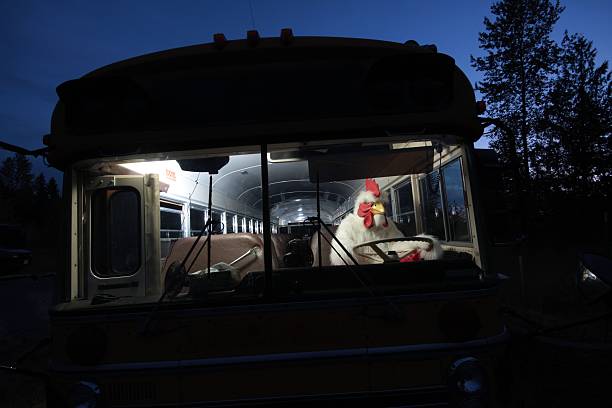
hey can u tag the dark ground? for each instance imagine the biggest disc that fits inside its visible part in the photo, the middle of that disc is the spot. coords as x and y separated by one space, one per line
567 368
24 305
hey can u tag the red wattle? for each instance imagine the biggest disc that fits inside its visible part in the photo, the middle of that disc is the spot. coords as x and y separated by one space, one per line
413 256
365 211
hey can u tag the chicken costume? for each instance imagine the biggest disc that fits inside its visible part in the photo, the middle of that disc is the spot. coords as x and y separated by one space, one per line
368 222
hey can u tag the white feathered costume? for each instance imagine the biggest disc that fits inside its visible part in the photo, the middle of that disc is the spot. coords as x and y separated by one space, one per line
368 222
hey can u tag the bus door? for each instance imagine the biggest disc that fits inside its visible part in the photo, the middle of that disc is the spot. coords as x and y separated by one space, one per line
122 247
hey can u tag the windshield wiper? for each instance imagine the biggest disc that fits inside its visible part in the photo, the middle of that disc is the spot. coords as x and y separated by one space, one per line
393 311
176 274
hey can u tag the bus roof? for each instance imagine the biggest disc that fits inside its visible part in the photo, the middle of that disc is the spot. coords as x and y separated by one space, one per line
266 90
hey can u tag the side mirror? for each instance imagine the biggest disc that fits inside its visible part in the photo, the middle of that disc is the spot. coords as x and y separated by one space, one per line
594 277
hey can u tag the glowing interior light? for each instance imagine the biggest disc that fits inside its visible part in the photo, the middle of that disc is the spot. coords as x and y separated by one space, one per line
168 170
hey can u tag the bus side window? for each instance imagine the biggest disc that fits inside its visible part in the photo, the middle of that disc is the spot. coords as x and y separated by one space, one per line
431 200
217 227
170 225
404 209
197 219
444 203
456 211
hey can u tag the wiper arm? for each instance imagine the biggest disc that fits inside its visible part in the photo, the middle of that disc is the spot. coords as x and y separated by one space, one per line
177 273
394 311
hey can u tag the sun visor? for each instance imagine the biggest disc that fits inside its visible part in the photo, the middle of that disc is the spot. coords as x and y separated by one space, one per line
210 165
370 164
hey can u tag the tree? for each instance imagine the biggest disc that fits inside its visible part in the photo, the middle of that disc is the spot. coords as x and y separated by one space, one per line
518 65
30 201
52 189
23 173
577 122
40 200
8 177
39 188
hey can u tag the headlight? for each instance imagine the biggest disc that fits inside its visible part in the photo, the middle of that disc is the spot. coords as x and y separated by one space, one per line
467 383
85 394
594 276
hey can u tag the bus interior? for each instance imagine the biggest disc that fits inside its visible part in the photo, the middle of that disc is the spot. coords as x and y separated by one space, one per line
423 180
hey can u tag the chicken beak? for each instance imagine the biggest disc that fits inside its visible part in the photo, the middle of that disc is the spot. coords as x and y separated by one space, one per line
378 208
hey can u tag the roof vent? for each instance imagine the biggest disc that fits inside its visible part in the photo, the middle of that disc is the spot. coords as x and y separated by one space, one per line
220 41
252 38
428 47
286 36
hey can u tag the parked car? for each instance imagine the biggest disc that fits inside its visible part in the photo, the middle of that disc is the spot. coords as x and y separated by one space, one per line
13 252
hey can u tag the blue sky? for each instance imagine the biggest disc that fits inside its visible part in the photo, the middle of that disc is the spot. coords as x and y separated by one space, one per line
45 43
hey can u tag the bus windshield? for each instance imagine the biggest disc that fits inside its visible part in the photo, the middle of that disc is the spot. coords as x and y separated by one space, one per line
400 202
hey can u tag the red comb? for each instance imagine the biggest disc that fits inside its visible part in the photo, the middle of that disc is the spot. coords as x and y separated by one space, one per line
372 187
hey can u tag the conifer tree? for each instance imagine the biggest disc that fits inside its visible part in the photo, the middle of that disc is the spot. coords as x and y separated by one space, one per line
577 122
520 59
39 188
52 189
23 170
8 177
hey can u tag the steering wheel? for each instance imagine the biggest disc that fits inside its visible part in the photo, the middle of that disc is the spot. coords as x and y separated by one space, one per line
385 256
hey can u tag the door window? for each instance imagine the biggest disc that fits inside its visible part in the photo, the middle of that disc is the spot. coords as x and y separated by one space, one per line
116 232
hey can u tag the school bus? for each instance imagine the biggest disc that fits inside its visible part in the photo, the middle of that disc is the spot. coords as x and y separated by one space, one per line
203 187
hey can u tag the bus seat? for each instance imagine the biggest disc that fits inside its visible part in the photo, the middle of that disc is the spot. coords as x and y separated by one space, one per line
325 247
225 248
279 247
453 252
